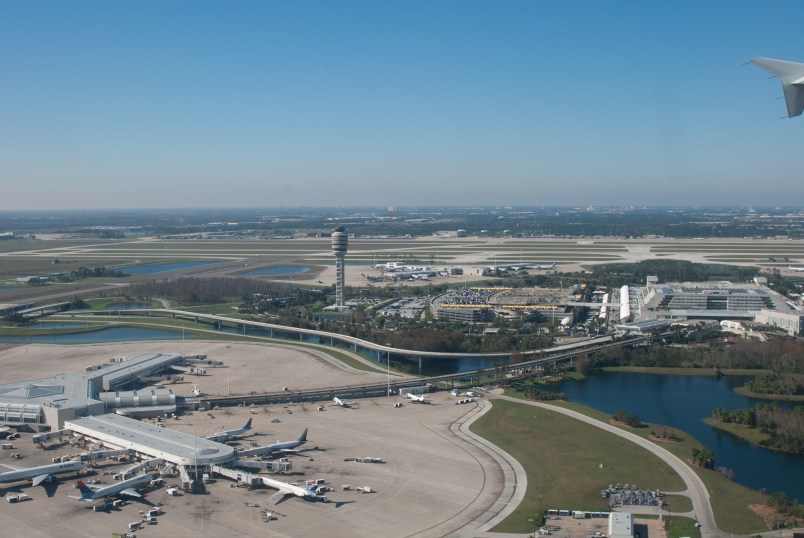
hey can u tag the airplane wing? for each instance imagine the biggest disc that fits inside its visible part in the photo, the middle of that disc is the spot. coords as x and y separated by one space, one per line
791 74
39 479
12 467
278 497
131 492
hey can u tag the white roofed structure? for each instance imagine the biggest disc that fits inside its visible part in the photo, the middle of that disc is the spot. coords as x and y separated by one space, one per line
121 432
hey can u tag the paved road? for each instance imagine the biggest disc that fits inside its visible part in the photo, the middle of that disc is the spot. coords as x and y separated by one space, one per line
515 483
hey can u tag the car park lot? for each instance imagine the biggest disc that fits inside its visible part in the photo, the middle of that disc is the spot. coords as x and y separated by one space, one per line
430 483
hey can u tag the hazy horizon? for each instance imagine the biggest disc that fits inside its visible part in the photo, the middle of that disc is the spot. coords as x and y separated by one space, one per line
369 104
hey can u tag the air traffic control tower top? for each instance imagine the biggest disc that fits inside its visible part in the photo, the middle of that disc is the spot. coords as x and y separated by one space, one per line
340 244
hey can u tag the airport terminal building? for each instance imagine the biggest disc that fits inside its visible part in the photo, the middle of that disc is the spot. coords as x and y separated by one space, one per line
149 441
45 404
718 301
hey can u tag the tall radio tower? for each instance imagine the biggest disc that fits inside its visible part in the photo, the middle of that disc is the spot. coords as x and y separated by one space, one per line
340 244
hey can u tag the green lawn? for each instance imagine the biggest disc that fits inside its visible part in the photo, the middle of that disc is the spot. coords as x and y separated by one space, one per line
677 526
562 458
730 500
752 435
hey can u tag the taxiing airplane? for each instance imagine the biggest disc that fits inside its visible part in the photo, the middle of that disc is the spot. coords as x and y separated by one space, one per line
791 75
43 473
796 269
224 435
417 399
123 488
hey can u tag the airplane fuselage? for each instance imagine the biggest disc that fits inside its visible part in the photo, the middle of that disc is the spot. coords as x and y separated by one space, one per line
116 489
33 472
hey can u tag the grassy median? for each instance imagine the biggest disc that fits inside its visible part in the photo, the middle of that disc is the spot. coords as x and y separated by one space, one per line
730 501
567 461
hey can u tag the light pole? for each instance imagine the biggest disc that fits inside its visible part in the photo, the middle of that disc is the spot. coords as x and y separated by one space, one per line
533 520
388 369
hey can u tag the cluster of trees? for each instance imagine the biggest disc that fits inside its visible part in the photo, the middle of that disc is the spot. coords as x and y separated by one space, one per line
780 502
774 384
626 418
618 274
703 457
533 392
193 291
663 432
88 272
785 428
779 355
746 417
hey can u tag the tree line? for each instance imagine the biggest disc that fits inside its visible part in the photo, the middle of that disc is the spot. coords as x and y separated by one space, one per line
785 428
195 291
779 355
772 383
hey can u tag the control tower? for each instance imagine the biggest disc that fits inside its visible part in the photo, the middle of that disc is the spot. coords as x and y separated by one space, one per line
340 243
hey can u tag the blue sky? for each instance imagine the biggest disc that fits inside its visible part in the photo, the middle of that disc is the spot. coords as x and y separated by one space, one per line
142 103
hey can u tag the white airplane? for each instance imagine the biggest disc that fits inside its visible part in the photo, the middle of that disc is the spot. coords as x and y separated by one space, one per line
343 403
43 473
288 446
284 490
225 435
416 399
124 488
791 75
545 267
196 391
796 269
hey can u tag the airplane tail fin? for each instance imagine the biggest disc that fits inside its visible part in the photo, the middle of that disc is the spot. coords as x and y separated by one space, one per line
791 74
303 437
248 425
84 489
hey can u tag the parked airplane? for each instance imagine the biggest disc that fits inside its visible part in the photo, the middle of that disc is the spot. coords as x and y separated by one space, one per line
417 399
124 488
791 75
39 474
796 269
343 403
287 446
225 435
284 490
196 391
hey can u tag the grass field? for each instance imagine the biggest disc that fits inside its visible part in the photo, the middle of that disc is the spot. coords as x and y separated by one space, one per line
729 500
678 503
752 435
562 459
677 526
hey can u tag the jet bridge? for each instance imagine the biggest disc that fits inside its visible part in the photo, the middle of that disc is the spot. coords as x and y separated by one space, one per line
42 438
100 455
134 469
238 476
